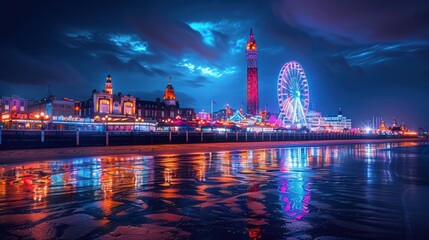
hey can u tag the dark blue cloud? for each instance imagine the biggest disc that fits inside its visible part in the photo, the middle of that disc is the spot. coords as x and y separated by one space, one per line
362 21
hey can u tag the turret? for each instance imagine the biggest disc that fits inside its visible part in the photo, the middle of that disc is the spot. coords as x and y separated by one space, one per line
108 86
169 96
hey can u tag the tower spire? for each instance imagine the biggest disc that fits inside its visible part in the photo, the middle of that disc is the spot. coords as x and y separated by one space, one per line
108 85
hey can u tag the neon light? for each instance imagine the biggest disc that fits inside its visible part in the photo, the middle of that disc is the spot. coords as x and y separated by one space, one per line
293 93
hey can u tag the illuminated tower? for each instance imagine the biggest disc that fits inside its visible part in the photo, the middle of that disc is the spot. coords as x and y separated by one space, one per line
169 96
108 87
252 75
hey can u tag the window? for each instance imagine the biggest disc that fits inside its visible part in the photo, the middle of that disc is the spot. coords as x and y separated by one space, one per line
128 108
104 106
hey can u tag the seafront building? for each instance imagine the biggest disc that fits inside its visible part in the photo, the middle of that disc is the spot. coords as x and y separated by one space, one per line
318 123
12 109
165 110
13 104
104 110
106 103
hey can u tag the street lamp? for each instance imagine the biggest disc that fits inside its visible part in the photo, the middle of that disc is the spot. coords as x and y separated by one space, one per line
138 121
42 117
105 120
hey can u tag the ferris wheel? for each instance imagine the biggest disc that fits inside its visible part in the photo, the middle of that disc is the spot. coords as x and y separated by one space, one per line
293 93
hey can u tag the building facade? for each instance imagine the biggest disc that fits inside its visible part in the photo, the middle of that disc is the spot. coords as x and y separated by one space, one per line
252 76
13 104
319 123
203 116
106 103
54 107
164 110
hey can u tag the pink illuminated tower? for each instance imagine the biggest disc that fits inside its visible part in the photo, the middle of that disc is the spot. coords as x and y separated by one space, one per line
252 75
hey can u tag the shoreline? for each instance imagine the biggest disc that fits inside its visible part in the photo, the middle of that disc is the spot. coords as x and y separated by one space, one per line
27 155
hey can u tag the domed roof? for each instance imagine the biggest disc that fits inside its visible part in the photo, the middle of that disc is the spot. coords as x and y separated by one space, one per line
169 86
169 92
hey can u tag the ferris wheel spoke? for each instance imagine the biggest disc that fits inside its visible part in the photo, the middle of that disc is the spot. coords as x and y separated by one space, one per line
299 109
296 72
285 105
284 94
302 112
304 89
286 87
286 81
301 80
303 83
295 111
290 73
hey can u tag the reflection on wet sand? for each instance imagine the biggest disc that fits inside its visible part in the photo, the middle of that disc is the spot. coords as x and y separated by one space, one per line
302 192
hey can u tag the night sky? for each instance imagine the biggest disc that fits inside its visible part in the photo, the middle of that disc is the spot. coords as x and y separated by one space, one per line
371 58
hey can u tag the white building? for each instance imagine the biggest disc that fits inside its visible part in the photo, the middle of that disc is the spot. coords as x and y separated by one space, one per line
317 122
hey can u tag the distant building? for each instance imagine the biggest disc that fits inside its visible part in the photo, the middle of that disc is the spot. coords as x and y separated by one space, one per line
13 104
317 122
169 108
106 103
383 127
203 115
54 107
13 109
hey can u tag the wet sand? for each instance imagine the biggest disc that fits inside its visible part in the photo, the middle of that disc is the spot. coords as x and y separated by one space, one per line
13 156
335 191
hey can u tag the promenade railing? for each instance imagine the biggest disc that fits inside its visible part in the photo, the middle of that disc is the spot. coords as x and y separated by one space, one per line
24 139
